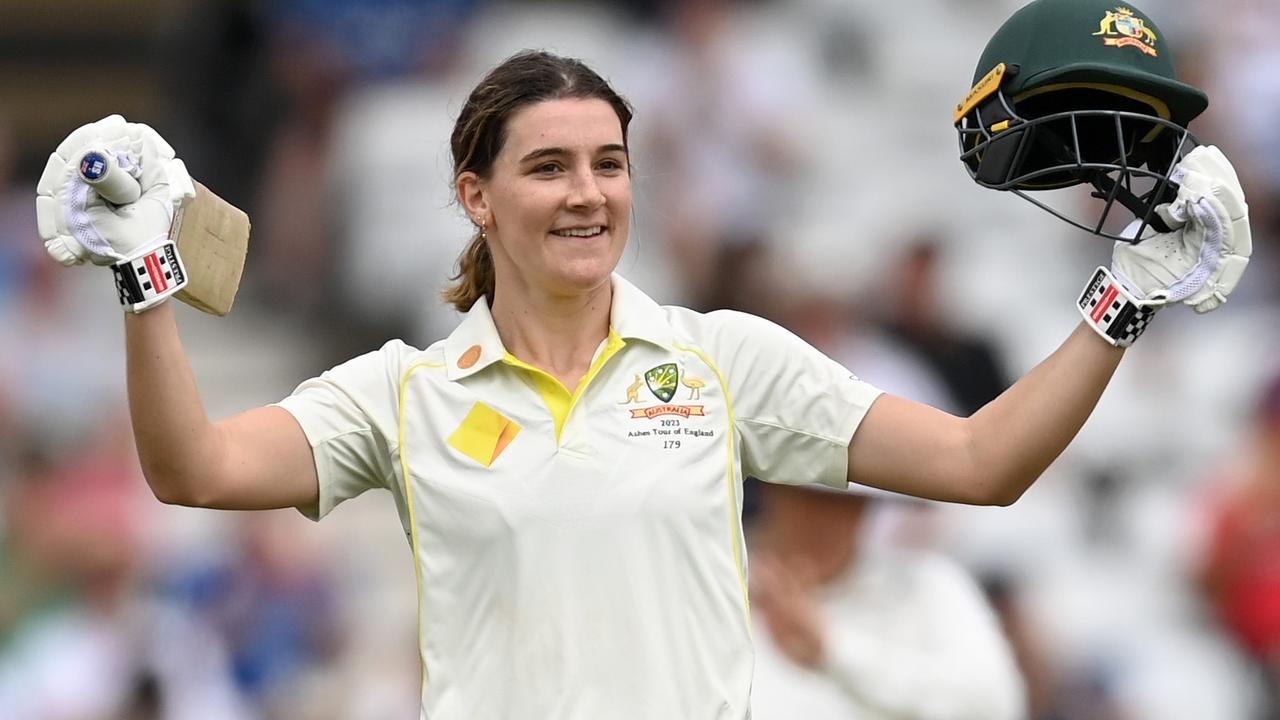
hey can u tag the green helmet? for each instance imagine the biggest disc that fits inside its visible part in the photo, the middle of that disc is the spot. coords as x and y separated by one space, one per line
1079 91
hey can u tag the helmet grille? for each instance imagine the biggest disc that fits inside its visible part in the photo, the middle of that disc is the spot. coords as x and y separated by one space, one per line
1084 140
1123 146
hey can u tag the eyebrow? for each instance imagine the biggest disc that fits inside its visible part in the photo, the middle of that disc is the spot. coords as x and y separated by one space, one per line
549 151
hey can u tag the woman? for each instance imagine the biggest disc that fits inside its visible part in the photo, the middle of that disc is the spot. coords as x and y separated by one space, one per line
567 464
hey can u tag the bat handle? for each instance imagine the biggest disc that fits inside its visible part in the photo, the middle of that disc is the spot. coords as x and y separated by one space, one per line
100 169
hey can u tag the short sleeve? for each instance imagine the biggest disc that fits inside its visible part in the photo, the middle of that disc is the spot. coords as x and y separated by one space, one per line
795 409
344 415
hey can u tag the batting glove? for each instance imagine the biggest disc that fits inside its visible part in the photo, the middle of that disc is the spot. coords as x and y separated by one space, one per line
1198 263
78 224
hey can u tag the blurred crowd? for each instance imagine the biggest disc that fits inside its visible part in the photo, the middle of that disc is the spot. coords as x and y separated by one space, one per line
791 159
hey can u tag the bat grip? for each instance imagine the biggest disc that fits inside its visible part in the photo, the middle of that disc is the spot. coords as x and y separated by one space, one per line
100 169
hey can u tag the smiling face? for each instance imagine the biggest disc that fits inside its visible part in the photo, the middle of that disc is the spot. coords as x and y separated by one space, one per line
557 204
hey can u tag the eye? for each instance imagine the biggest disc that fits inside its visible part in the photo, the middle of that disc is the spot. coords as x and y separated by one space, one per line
612 164
547 168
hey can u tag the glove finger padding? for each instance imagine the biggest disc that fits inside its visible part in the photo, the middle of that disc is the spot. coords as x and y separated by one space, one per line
66 204
1207 172
1233 243
108 128
160 166
1201 261
1216 202
77 224
62 197
1215 174
69 213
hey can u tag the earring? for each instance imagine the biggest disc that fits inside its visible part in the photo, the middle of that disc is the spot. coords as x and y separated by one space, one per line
483 224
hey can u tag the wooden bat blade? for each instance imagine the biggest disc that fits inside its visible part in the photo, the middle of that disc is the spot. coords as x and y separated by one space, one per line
213 238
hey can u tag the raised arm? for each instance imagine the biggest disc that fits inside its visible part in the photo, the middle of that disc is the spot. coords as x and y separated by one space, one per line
256 460
995 455
992 457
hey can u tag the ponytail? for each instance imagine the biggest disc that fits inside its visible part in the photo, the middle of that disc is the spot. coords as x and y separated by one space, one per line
474 279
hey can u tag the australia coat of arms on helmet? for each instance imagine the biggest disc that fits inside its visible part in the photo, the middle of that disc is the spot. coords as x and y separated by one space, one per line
1121 28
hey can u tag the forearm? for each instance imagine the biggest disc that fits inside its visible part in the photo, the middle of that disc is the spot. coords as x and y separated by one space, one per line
1015 437
171 430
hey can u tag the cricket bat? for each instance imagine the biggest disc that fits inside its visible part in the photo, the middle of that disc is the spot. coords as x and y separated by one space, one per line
212 235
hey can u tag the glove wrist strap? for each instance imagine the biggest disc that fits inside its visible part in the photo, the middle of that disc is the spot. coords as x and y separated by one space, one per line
1112 311
146 280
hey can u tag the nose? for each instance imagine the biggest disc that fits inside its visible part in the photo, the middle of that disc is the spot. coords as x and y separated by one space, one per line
584 192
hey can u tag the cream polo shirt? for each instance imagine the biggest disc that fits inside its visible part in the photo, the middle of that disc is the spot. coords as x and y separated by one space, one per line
580 555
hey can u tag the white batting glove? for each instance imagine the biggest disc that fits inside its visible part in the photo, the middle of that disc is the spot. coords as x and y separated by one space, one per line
1201 261
1197 263
77 223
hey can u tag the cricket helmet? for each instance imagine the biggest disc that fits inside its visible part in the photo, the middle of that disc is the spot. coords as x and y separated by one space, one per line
1071 92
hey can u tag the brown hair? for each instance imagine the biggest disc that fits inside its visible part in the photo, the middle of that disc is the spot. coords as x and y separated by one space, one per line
528 77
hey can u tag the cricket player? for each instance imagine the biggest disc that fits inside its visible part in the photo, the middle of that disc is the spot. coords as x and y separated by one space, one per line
567 464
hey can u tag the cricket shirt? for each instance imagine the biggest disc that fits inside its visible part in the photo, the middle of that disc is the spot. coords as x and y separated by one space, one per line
579 555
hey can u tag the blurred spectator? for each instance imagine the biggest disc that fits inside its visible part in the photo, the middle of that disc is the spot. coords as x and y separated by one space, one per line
270 604
1240 574
854 629
26 585
68 626
751 281
1038 673
747 280
723 157
380 39
324 50
282 73
912 310
294 228
225 101
20 259
1052 692
398 231
841 331
18 239
84 637
389 186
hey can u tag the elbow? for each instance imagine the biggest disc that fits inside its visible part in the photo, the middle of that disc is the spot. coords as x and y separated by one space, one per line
1004 492
168 497
169 488
985 486
1005 498
167 493
992 477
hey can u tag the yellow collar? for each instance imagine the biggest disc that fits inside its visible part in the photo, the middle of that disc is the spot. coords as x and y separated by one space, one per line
475 345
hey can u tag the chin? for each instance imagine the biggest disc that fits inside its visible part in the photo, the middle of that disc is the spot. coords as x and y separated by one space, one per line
584 266
577 283
578 277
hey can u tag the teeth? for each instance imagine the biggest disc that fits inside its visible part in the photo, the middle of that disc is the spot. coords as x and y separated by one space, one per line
584 232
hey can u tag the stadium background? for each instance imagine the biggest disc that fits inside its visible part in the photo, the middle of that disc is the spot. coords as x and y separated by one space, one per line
794 159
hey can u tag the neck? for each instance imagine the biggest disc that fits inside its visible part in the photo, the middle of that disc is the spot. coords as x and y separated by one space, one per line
555 333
